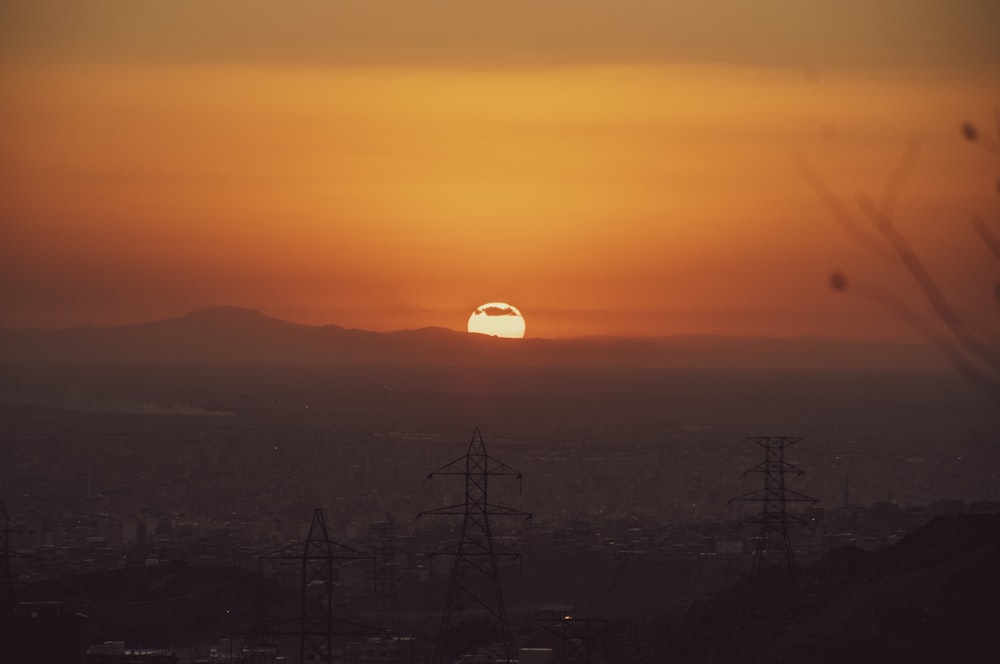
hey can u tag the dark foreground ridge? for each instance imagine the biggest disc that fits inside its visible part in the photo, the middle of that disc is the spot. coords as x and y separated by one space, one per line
235 335
929 597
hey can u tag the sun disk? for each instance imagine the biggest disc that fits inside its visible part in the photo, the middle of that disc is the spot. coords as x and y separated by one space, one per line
497 319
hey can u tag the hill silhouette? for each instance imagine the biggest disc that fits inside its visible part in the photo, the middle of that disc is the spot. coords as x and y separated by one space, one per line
929 597
238 335
165 604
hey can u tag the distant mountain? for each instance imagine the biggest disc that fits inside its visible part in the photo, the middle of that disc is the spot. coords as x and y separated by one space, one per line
237 335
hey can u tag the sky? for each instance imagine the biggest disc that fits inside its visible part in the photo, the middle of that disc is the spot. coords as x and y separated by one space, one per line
626 168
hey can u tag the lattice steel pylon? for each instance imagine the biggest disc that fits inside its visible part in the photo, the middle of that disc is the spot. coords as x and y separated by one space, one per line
313 627
475 577
774 518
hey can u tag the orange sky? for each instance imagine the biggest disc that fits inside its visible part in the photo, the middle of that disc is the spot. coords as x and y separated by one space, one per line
608 168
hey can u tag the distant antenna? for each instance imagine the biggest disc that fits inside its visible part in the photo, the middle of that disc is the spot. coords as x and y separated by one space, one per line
475 578
774 519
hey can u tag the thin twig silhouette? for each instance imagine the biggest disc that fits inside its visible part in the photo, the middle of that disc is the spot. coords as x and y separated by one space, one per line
975 357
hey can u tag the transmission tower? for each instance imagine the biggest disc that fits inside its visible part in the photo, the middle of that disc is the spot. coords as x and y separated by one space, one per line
774 519
386 589
475 578
313 627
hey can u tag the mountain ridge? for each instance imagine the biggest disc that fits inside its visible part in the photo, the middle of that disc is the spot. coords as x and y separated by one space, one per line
229 334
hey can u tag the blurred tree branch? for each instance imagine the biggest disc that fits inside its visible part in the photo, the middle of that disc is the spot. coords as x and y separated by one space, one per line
975 357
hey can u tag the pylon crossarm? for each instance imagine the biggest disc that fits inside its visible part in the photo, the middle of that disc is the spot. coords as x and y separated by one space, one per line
774 468
275 628
496 554
776 519
456 467
489 509
796 497
750 496
491 467
508 554
775 441
799 521
436 554
785 467
359 628
759 468
500 510
496 467
481 568
451 510
280 554
355 555
474 548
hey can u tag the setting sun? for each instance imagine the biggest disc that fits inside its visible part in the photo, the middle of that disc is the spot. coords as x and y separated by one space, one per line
381 169
497 319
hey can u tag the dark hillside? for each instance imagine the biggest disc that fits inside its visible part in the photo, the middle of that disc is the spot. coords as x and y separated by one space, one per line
167 605
930 597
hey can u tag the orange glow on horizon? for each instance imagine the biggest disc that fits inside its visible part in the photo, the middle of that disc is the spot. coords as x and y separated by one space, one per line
632 200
